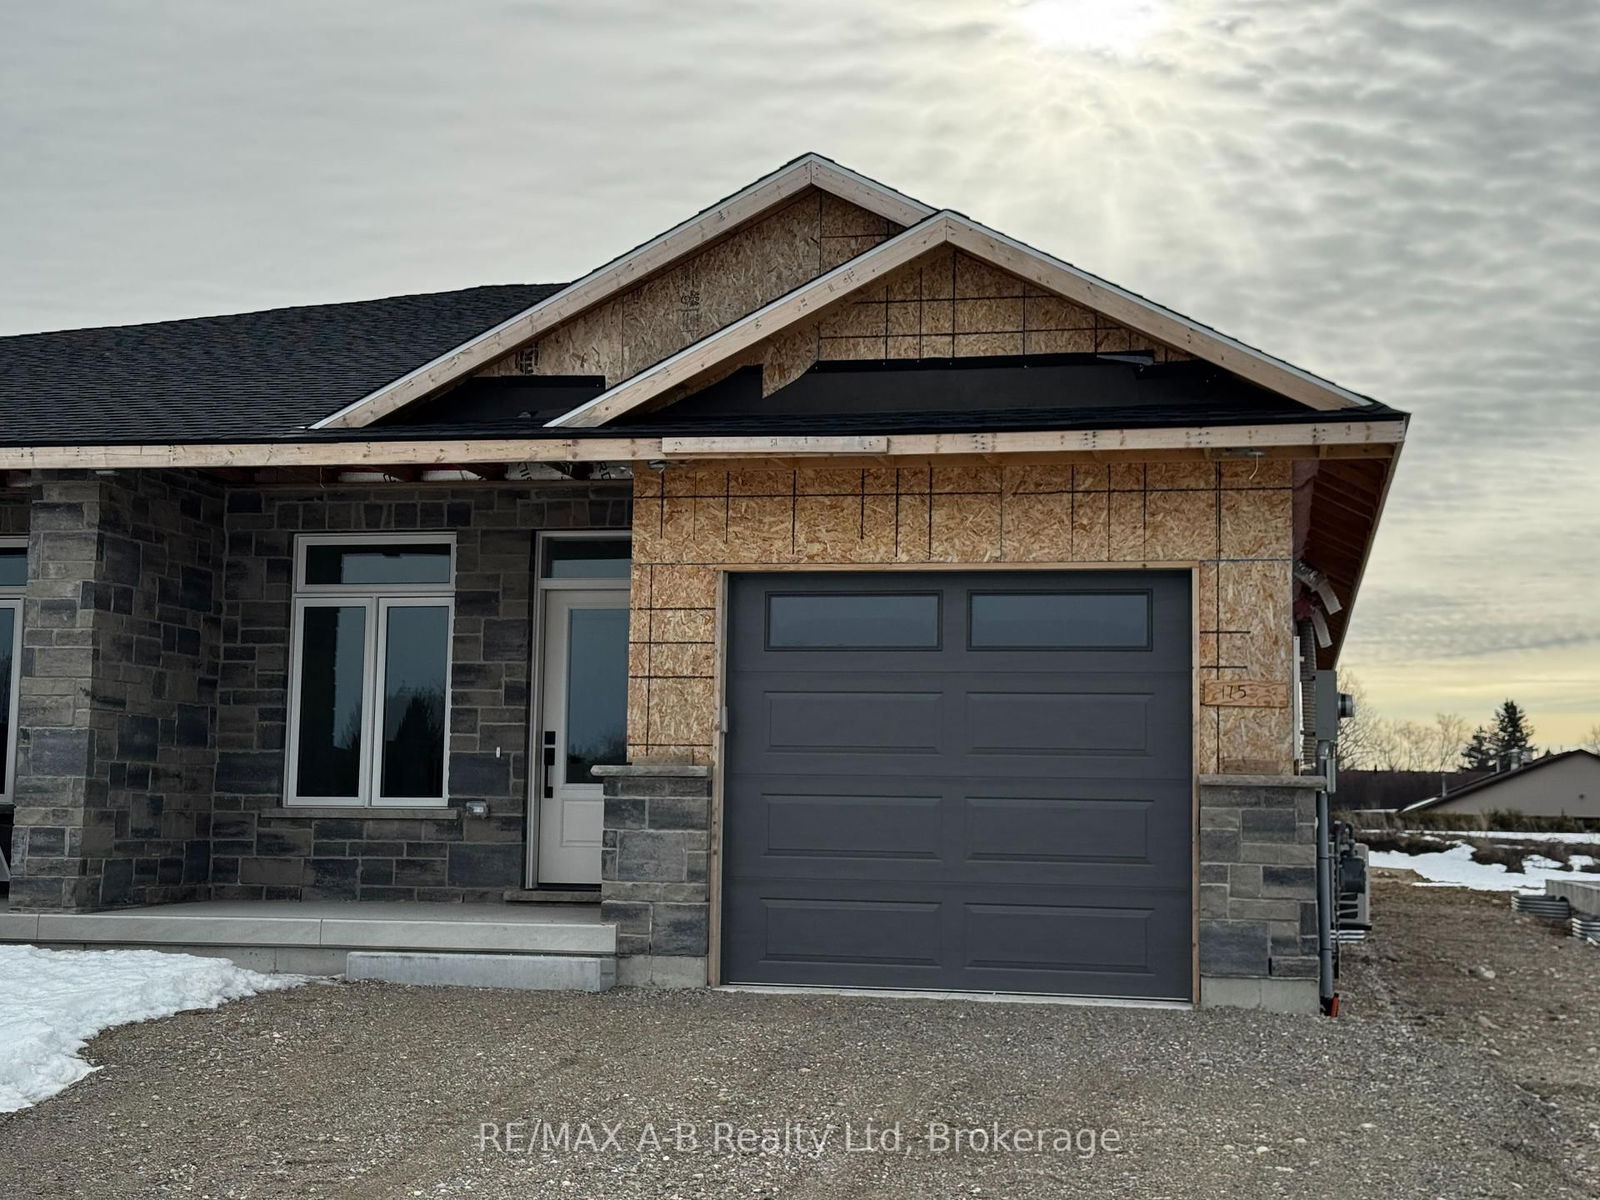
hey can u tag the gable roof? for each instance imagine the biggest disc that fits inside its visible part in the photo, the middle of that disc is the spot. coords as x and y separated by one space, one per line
627 270
948 228
1499 777
254 374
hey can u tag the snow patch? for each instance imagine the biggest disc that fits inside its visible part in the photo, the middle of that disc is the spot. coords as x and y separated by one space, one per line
1495 835
1454 868
53 1001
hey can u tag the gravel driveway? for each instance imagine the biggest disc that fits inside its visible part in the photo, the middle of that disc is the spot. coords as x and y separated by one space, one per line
376 1091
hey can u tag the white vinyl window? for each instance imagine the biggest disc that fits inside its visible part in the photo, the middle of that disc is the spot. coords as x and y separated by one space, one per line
13 582
369 709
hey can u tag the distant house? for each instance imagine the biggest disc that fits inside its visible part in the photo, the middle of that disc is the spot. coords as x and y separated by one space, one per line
1559 785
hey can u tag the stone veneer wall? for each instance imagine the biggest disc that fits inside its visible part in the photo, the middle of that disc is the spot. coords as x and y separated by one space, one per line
262 851
121 648
1235 518
1258 891
653 870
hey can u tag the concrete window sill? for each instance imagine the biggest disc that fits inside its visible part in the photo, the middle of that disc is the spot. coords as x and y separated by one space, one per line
362 811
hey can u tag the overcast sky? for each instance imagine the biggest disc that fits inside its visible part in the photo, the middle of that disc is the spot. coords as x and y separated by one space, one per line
1403 195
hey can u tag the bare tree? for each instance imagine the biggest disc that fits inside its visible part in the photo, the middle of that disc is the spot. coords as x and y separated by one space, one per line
1362 737
1591 740
1371 742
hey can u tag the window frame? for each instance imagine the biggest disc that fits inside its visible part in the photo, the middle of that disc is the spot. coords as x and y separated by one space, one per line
377 599
11 597
1147 595
545 583
304 542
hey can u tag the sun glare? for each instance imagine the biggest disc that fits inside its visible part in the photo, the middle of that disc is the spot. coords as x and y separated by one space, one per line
1106 26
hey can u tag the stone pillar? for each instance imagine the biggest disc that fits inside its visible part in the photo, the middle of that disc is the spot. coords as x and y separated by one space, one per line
653 872
1258 891
117 695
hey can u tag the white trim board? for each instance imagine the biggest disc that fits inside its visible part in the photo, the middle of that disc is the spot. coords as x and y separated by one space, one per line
659 253
953 229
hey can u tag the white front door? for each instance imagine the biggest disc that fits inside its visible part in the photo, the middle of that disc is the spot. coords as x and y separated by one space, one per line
585 723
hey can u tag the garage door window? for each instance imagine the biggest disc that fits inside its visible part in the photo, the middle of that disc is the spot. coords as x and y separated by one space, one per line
1059 621
857 621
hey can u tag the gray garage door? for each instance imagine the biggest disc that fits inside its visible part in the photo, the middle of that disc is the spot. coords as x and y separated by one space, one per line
975 781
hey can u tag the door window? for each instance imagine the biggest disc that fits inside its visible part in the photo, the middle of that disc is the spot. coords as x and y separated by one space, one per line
597 690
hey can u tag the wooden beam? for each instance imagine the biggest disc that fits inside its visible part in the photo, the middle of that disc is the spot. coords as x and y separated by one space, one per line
738 210
808 301
1368 438
866 193
762 447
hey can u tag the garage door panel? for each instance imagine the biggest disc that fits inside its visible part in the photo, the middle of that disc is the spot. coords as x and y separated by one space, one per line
853 721
1114 942
851 826
968 816
1036 722
818 930
1059 938
1061 829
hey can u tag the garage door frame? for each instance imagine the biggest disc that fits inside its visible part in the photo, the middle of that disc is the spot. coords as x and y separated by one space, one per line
714 858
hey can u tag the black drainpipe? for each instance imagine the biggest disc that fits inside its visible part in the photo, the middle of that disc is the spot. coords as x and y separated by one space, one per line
1330 998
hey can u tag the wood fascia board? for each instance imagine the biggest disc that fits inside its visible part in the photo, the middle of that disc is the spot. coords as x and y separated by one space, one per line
601 284
1147 317
867 193
765 447
805 302
1220 438
1374 438
1349 601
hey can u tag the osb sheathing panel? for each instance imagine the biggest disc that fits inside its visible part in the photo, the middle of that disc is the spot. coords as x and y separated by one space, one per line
727 280
949 305
690 520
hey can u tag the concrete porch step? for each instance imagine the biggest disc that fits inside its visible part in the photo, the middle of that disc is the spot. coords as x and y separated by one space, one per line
315 936
552 896
525 972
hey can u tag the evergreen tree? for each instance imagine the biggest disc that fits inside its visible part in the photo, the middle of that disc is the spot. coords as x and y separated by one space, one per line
1492 749
1478 755
1512 731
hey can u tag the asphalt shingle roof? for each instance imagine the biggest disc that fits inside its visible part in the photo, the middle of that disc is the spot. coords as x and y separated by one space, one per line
248 376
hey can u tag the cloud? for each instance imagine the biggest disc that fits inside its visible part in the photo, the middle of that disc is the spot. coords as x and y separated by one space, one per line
1403 195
